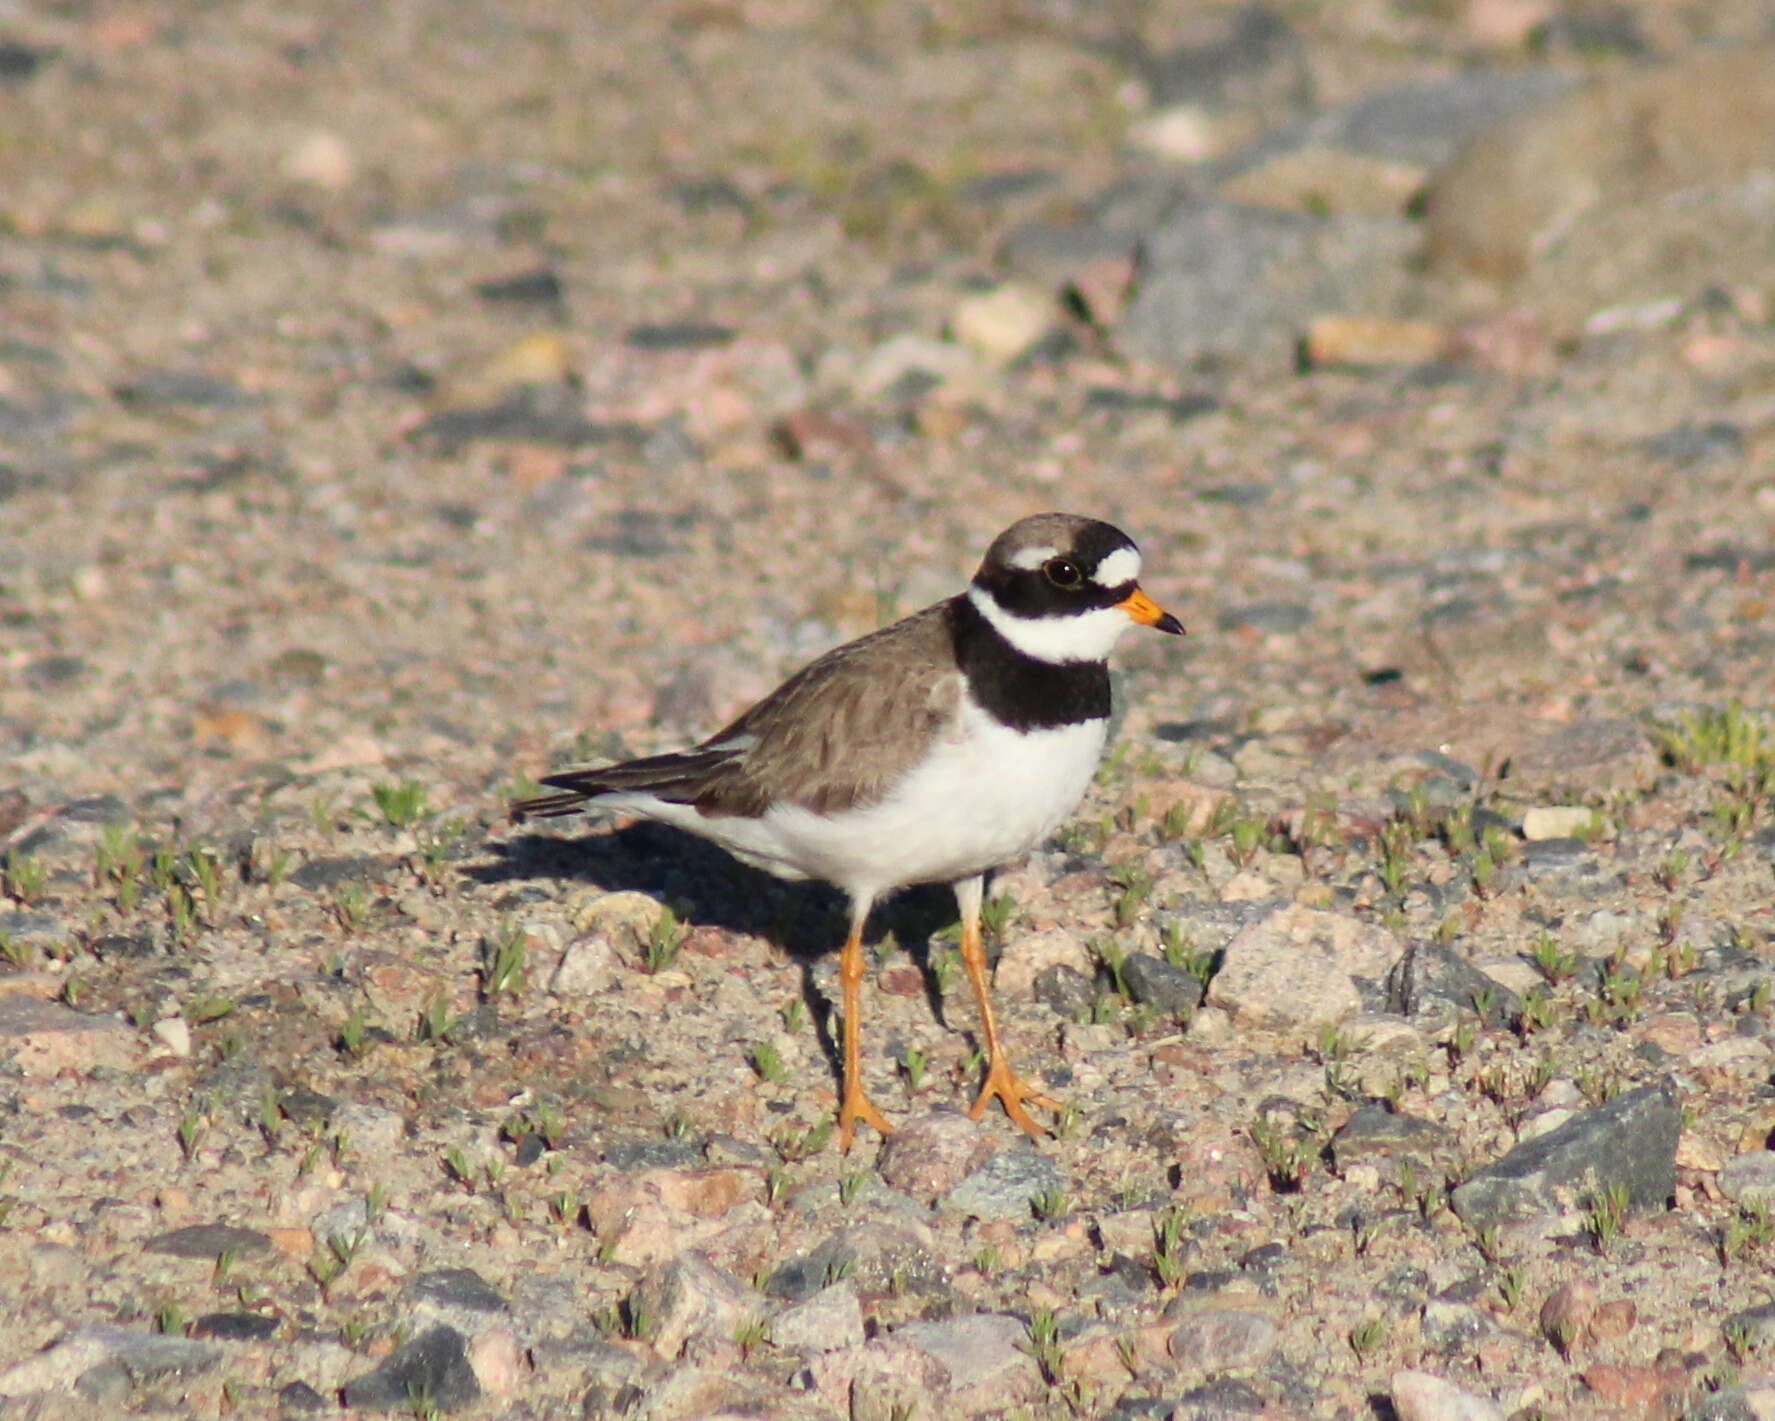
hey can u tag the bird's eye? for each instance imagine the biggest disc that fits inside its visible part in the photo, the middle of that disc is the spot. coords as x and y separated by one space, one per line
1063 572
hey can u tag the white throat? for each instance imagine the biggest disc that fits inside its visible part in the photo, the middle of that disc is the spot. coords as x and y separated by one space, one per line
1086 636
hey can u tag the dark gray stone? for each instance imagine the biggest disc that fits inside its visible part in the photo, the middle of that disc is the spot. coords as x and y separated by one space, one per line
1005 1185
235 1326
1375 1134
106 1385
631 1155
432 1368
164 389
208 1241
1430 980
1629 1141
300 1399
331 872
97 809
1065 989
537 287
1428 122
1690 444
456 1288
1155 982
679 335
533 414
1259 56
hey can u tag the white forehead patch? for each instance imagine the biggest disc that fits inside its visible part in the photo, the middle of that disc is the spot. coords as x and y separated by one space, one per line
1031 558
1121 566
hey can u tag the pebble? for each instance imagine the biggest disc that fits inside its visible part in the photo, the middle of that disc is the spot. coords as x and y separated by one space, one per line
1749 1179
588 967
1001 324
1423 1396
976 1349
208 1241
1155 982
1296 967
1434 981
1336 340
1375 1133
1559 822
433 1365
831 1319
496 1360
689 1297
322 159
45 1039
1223 1339
1630 1141
932 1152
139 1356
1005 1185
1565 1316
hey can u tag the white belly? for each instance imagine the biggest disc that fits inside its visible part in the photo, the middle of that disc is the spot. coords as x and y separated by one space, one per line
985 796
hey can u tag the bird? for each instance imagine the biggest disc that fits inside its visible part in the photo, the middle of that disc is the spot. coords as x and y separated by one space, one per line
933 750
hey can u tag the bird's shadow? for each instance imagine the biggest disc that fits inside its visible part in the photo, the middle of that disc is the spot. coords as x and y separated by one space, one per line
709 887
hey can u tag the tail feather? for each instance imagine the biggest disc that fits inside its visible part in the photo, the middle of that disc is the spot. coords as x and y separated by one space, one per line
677 777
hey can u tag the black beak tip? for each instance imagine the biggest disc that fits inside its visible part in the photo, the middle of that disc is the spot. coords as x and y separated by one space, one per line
1169 623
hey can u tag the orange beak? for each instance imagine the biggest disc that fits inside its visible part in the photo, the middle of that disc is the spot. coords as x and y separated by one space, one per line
1149 613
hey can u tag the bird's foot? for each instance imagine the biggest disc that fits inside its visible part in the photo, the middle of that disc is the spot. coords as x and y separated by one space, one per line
856 1106
1012 1091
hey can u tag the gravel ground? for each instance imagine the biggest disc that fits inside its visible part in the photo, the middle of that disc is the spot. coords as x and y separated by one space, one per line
399 401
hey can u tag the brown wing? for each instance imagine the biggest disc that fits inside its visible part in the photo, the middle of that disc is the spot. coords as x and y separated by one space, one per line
844 729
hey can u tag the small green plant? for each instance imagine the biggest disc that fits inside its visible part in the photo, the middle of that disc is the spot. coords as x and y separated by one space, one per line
1168 1248
351 906
1286 1157
1044 1344
401 804
849 1185
916 1063
194 1124
988 1260
768 1062
1605 1214
438 845
751 1334
1050 1204
1510 1285
437 1021
23 876
503 962
663 941
1554 962
1367 1336
794 1015
353 1034
945 968
169 1319
996 913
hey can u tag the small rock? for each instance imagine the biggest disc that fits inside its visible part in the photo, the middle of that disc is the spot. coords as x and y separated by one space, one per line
1749 1179
434 1365
626 919
1629 1141
690 1297
1155 982
976 1349
1064 989
588 967
496 1360
1001 324
209 1241
1223 1339
235 1326
831 1319
1419 1396
1295 967
1432 981
931 1153
300 1399
1639 1391
1374 1133
174 1033
46 1038
1282 618
1559 822
1370 340
1003 1187
1565 1316
321 158
143 1356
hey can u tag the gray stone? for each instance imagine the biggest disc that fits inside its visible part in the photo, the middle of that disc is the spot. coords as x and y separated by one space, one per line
1223 1339
433 1367
142 1356
832 1318
1431 980
974 1348
1066 990
1421 1396
930 1153
1283 617
1300 966
331 872
1749 1179
208 1241
1630 1141
1005 1185
1155 982
1222 279
690 1297
1375 1134
1427 122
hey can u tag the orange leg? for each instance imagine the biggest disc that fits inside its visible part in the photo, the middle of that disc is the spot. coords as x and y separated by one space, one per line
855 1105
1001 1081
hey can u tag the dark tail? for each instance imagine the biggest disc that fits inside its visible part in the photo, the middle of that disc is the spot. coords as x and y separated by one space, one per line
678 777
